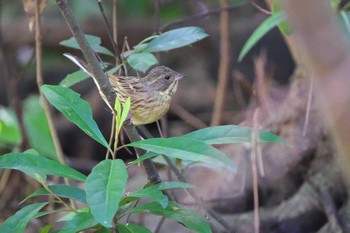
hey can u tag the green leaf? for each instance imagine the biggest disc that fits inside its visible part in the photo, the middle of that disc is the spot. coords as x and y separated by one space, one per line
151 192
105 187
176 212
284 27
126 109
147 155
80 222
185 148
37 127
31 164
269 23
74 78
175 39
9 129
74 109
61 190
18 222
226 134
131 228
142 61
46 228
94 42
174 185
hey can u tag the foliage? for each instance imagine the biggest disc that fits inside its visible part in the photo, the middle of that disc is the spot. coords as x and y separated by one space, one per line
104 200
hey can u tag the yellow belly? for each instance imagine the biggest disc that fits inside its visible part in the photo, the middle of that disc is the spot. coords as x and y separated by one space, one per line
149 111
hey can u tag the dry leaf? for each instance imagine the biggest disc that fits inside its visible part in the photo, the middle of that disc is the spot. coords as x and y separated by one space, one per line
29 8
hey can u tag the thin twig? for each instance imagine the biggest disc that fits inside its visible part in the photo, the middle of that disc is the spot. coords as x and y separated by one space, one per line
195 17
308 106
225 64
260 8
40 82
187 116
254 170
109 32
156 17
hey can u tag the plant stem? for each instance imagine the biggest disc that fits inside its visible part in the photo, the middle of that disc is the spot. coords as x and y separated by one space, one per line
105 88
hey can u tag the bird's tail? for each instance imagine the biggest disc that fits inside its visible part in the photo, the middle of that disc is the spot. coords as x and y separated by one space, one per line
82 64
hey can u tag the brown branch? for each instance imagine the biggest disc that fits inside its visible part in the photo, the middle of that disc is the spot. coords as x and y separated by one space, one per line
225 64
199 16
40 82
104 85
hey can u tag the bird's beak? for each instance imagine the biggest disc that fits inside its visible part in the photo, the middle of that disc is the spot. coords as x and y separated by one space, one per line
179 76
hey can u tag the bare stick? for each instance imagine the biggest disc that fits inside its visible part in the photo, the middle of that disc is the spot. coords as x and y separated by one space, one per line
40 82
254 170
308 106
225 64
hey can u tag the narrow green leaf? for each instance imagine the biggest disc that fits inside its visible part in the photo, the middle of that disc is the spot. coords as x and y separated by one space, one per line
132 228
174 185
18 222
61 190
175 39
30 164
126 109
185 148
94 42
105 187
37 127
148 155
74 78
226 134
74 109
70 215
151 192
176 212
284 27
9 129
80 222
269 23
46 228
142 61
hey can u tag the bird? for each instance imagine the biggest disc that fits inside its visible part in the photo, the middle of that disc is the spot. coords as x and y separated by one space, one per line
150 96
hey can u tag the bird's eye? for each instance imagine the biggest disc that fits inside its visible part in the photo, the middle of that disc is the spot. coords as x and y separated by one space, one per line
167 77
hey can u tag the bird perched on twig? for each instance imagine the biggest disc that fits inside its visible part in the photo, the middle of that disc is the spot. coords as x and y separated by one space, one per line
150 95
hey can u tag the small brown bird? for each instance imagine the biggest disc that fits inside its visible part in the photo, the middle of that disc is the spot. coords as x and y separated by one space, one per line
150 95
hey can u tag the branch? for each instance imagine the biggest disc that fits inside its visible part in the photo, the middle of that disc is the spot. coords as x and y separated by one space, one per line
105 87
225 64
